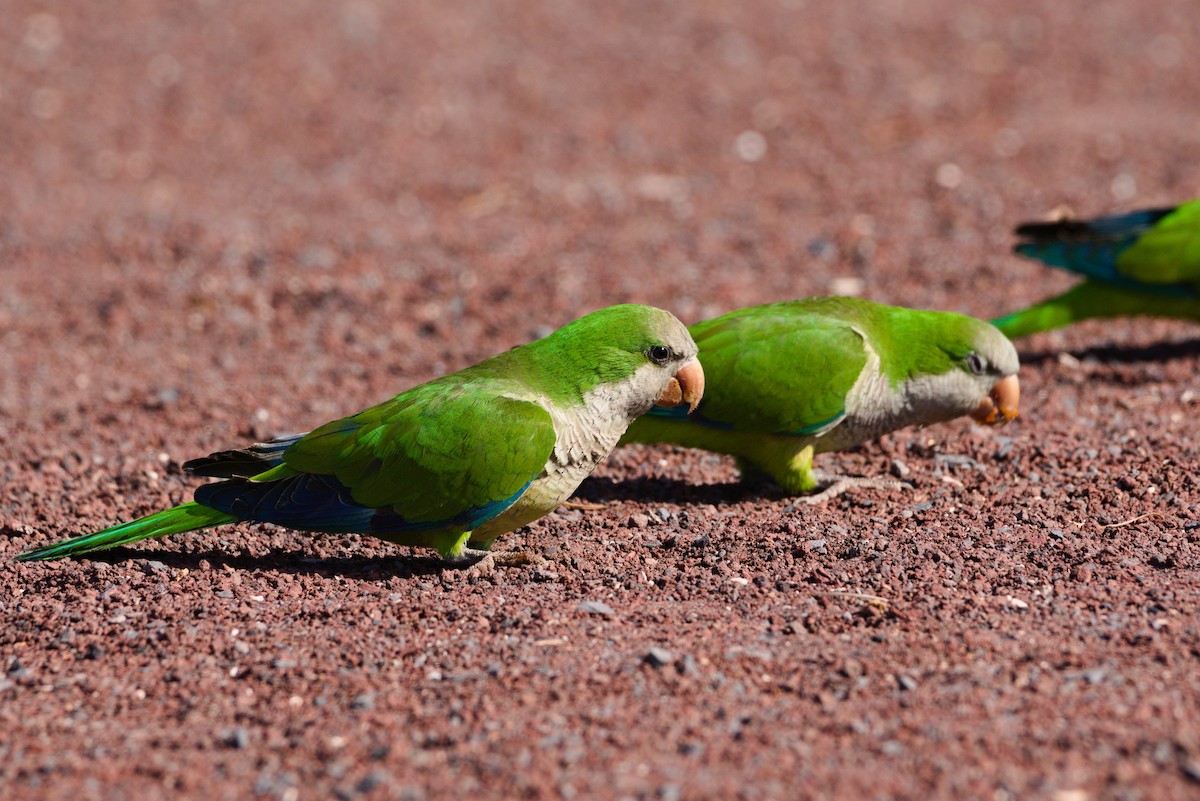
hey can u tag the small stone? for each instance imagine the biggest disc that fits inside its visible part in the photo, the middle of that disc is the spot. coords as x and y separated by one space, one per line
658 657
236 738
543 575
853 669
900 469
167 397
688 666
639 520
376 778
596 608
906 682
1161 561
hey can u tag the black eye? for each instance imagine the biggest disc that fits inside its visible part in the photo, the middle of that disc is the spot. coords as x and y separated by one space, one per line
659 354
976 363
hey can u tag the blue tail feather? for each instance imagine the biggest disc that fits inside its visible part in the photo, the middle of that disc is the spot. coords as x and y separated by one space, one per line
311 502
1093 248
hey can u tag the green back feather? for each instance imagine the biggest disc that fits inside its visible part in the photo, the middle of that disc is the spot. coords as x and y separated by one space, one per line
780 367
433 451
789 367
1169 253
478 436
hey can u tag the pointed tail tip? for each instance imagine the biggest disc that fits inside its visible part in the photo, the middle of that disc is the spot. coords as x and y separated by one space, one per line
36 555
186 517
60 550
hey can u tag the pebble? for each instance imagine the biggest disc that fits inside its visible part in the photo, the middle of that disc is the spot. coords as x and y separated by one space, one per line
596 608
658 657
236 738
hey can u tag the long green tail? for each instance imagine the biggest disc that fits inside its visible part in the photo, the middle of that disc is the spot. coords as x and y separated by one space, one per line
1093 299
186 517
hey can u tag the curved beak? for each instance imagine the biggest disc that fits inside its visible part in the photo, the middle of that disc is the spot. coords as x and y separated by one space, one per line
1000 405
686 387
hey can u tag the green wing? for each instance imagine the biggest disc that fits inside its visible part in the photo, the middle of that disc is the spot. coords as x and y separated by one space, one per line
1169 253
440 452
1155 250
780 368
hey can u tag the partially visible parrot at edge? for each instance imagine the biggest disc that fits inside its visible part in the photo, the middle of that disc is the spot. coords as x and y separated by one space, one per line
1144 262
454 463
786 381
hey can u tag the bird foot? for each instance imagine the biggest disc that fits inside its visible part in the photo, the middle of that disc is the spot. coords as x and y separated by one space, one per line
484 563
834 485
583 506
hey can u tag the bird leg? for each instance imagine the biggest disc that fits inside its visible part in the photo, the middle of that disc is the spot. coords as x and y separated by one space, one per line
582 506
833 485
486 562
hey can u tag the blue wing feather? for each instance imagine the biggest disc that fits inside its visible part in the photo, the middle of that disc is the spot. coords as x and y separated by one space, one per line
312 502
1094 247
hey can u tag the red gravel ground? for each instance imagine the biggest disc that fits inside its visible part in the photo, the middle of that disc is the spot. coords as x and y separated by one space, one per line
224 220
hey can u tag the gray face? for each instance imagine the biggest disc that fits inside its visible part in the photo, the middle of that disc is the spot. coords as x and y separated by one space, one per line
874 408
997 351
671 348
959 392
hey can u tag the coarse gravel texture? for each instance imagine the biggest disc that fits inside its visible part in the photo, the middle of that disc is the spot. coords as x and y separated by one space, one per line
221 221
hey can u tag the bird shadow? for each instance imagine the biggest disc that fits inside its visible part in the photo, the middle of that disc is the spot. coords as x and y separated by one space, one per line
1121 354
292 561
382 568
672 490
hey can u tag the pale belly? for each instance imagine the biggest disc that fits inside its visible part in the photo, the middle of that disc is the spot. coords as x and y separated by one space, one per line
578 450
544 495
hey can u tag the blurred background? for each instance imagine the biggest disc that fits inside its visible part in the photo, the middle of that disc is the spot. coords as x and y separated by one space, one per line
409 186
223 220
312 204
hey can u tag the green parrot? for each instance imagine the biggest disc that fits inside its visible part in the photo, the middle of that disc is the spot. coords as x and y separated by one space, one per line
454 463
790 380
1144 262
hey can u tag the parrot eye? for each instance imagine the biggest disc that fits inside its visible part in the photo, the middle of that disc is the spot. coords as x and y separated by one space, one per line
659 354
976 363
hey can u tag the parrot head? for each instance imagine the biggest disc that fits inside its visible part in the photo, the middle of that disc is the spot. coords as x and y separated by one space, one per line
993 361
970 369
633 357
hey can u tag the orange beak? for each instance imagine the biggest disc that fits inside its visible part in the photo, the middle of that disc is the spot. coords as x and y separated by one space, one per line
686 387
1000 405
